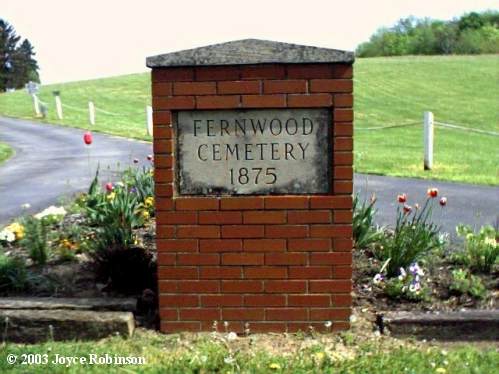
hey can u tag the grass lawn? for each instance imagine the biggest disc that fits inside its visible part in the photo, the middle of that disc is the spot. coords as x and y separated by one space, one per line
388 91
203 353
5 152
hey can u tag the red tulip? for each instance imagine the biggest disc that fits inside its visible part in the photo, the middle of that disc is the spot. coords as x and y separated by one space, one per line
135 160
109 187
407 209
432 192
87 138
402 198
443 201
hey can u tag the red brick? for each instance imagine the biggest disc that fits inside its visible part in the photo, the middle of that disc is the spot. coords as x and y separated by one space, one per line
198 231
166 259
241 203
217 73
162 132
243 286
331 202
343 172
220 245
286 314
284 86
265 272
167 286
308 71
309 300
331 258
264 245
177 245
171 327
285 286
162 145
242 259
242 231
162 89
196 203
239 87
220 272
264 101
176 218
313 100
220 218
343 244
344 187
179 300
342 299
168 314
173 102
218 102
310 272
255 217
200 314
304 216
343 144
221 300
263 327
309 245
343 115
343 100
163 175
286 231
330 286
331 231
203 286
163 190
342 272
342 71
194 88
165 232
286 258
172 74
343 216
343 129
343 158
168 272
163 161
265 300
286 202
163 117
263 72
242 314
331 85
198 259
330 314
163 203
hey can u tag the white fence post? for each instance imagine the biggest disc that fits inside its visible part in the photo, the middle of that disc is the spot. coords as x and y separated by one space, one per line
36 105
91 113
428 140
58 106
149 119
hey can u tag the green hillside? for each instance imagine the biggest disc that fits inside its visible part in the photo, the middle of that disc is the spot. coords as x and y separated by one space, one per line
389 91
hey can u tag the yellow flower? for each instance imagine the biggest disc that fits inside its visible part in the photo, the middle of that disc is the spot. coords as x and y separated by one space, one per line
149 201
111 196
319 356
17 229
274 366
145 214
441 371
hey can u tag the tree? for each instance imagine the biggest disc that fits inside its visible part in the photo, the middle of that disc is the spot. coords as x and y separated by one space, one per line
17 63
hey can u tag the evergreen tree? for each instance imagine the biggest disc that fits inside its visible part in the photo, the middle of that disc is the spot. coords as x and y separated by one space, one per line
8 43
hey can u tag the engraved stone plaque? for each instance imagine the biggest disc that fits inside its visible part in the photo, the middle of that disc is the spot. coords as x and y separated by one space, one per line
243 152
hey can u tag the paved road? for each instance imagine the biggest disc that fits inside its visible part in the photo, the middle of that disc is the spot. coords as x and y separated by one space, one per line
52 161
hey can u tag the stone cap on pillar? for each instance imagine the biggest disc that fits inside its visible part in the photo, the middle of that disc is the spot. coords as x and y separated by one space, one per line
250 52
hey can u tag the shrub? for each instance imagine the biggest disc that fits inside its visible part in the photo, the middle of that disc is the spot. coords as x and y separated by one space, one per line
481 250
13 274
364 232
410 284
464 283
36 237
413 237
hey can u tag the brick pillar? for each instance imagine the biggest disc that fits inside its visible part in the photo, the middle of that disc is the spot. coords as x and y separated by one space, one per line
279 263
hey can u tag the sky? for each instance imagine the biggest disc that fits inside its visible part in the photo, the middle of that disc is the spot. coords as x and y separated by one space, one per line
85 39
